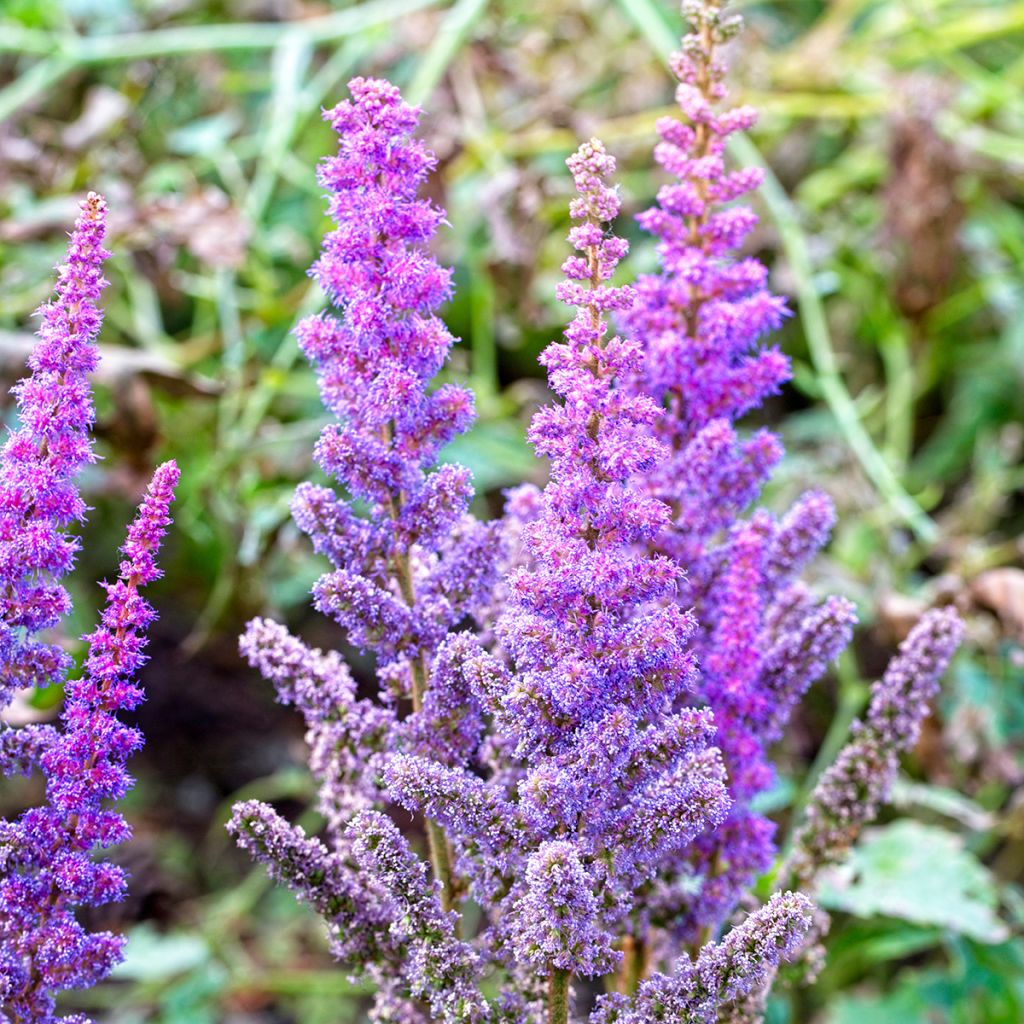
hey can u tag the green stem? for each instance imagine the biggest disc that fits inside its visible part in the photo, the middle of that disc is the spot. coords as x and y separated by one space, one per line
558 996
437 841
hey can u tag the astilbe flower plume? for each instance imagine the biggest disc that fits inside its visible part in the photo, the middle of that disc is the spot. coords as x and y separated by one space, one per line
409 562
41 459
47 853
587 759
850 792
761 639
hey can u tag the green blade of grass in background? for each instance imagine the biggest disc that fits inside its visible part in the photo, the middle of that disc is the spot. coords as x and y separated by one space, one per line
63 53
452 33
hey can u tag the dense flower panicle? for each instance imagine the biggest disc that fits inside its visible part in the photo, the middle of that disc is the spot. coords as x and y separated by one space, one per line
39 499
50 867
571 627
700 323
588 760
409 562
849 793
441 969
722 972
375 360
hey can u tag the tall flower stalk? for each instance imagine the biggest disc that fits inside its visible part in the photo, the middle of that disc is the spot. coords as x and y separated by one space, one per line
701 320
41 460
47 853
409 562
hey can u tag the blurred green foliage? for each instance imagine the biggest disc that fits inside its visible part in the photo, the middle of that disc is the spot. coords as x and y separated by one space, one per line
893 218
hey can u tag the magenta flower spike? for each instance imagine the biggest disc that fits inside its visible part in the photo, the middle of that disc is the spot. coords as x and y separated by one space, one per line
41 459
700 322
48 852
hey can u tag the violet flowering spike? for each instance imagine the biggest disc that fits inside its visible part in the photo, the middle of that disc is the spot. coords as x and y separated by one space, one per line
611 782
409 561
702 322
797 657
441 969
849 793
39 500
50 869
352 909
374 362
722 972
582 544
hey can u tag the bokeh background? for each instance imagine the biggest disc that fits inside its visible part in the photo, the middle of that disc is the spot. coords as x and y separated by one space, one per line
893 220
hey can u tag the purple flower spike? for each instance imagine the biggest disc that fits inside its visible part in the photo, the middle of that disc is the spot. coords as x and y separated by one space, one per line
50 869
722 972
700 323
850 792
39 499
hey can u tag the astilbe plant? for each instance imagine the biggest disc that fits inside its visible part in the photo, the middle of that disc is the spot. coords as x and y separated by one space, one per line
47 853
586 733
589 780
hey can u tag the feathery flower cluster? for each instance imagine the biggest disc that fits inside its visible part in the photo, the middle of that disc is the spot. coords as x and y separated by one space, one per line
47 853
39 499
849 793
586 760
589 778
413 563
761 639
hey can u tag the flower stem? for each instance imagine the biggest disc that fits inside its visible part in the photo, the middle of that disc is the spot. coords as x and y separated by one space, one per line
437 841
558 996
634 963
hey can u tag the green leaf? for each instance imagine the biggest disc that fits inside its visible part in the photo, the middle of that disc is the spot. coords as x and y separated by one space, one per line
917 873
906 1005
151 956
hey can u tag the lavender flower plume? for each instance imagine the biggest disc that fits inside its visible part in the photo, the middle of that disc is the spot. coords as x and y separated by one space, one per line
701 322
50 869
412 568
849 793
721 973
39 500
440 968
409 561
